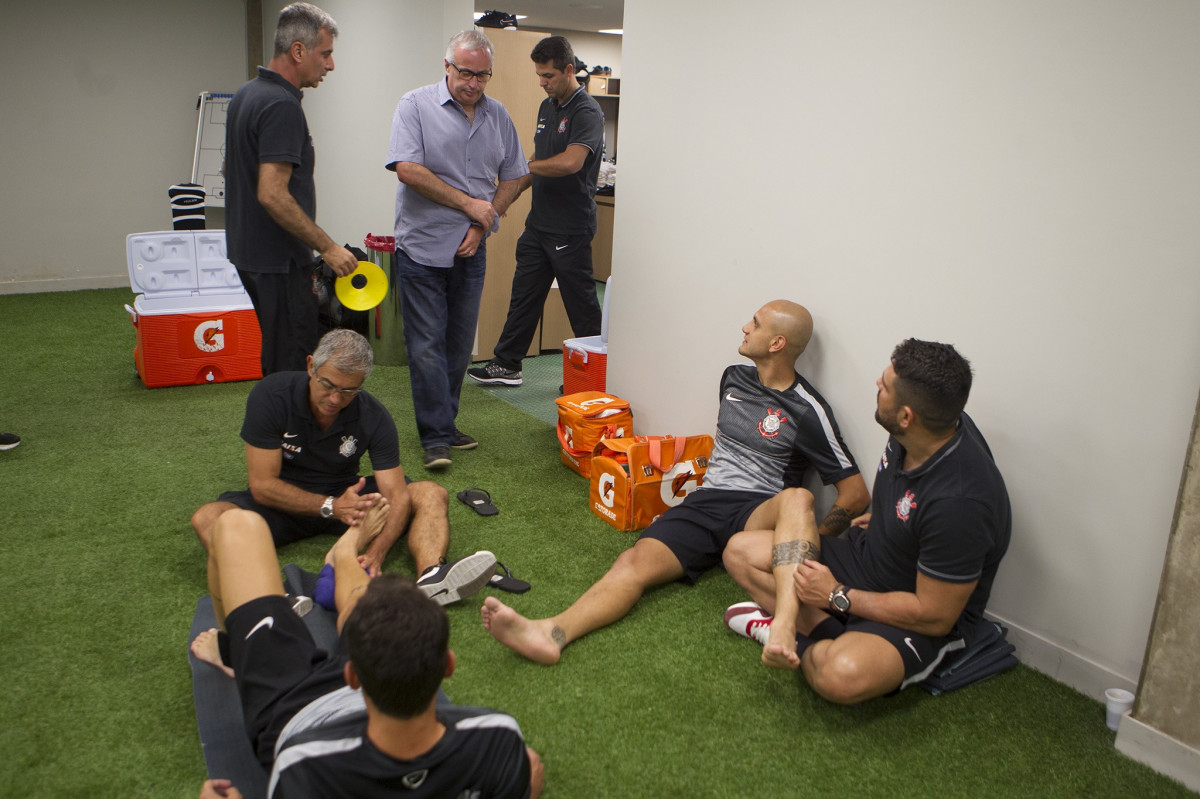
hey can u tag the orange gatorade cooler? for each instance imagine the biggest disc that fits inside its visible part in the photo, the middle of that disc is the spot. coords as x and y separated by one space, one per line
195 323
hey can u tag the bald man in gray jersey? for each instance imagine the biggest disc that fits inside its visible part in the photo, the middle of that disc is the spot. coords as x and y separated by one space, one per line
771 426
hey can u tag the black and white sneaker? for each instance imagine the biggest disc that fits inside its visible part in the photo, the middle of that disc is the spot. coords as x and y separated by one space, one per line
301 604
493 374
12 440
450 582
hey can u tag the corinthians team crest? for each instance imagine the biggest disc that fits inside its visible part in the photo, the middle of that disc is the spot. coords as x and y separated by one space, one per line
769 426
349 446
905 505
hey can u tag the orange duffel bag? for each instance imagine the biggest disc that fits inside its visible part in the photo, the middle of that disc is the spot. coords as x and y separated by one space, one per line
635 480
584 419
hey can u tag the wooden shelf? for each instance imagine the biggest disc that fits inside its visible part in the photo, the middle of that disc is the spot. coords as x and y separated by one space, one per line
604 86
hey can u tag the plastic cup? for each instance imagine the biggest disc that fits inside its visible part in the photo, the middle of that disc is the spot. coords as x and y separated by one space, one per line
1118 703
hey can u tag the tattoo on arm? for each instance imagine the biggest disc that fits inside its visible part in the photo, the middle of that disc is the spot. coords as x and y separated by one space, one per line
560 638
788 553
837 520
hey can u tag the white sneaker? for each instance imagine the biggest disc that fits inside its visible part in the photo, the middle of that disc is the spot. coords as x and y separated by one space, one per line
748 620
450 582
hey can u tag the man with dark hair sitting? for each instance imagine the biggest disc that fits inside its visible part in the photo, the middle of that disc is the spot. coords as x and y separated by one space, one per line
365 723
876 611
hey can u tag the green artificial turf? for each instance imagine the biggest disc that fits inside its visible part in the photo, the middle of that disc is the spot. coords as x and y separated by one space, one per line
103 572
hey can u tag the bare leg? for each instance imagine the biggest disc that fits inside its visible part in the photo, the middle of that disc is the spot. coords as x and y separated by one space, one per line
242 565
795 538
429 529
646 564
853 667
747 559
205 517
349 580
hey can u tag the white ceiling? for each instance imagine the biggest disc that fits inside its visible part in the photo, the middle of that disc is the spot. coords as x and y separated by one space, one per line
572 15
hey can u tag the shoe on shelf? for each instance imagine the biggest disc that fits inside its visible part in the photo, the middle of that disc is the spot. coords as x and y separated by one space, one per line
463 441
493 374
437 457
9 440
450 582
748 620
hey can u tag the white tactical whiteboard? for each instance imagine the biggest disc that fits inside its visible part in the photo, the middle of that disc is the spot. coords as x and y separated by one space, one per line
210 146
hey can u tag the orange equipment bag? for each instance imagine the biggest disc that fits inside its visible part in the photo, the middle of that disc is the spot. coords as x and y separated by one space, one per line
635 480
583 420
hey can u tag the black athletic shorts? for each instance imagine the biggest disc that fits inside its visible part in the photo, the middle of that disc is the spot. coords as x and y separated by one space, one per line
697 530
921 653
287 528
278 667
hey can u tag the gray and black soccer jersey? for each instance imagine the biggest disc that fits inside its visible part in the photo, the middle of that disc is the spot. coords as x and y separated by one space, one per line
766 439
482 754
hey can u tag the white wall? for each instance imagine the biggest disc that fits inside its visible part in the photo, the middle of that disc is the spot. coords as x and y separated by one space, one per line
1020 178
99 120
385 48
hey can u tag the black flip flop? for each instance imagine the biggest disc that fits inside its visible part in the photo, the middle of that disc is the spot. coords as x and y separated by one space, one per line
479 501
506 582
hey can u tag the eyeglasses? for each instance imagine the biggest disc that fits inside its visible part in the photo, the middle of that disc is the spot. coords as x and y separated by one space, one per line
467 74
325 384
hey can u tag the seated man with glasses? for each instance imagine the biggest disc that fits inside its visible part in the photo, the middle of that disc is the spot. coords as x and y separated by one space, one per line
305 433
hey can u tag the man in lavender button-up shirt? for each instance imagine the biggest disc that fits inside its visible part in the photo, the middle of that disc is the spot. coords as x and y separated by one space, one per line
456 154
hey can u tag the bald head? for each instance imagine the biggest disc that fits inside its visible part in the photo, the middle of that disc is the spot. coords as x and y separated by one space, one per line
792 321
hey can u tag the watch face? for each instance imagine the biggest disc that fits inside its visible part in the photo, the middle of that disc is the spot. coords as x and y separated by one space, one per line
841 602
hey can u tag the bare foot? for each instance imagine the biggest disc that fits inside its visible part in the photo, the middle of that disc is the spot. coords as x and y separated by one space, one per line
205 649
363 532
529 638
780 651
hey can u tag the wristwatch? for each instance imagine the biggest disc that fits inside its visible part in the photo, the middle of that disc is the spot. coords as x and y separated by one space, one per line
327 508
838 600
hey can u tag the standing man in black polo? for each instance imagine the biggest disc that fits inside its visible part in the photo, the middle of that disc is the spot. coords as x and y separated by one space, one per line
557 242
270 196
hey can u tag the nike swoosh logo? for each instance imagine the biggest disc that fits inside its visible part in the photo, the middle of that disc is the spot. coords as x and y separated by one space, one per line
267 622
561 247
439 593
290 435
732 398
913 648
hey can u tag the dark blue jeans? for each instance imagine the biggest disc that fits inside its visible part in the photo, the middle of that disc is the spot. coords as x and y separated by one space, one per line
441 310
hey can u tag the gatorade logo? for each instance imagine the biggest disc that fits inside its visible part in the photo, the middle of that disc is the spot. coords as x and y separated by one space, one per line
208 336
605 488
679 481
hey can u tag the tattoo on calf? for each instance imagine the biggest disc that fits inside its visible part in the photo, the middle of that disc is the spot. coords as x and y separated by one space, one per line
560 638
792 552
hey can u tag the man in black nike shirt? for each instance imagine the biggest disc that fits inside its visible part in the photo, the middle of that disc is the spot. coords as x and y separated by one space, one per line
365 722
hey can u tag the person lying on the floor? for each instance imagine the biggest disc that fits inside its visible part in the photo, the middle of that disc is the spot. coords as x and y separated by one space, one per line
365 722
879 609
772 424
305 433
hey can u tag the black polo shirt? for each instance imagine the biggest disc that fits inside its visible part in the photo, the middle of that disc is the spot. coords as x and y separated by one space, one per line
266 125
949 518
567 204
278 416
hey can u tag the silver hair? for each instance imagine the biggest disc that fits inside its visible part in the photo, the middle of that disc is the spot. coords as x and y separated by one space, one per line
470 40
302 22
345 351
